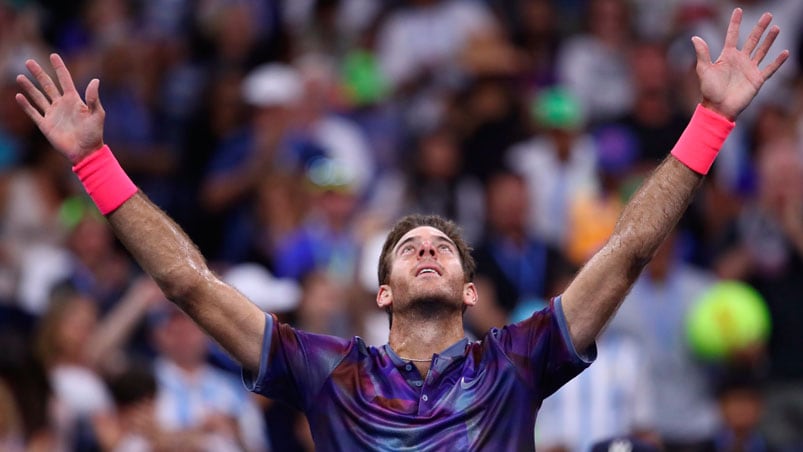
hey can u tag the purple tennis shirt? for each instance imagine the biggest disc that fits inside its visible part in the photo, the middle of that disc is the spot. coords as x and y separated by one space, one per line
481 395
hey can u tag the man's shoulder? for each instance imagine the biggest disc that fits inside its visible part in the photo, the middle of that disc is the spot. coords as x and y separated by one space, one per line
326 340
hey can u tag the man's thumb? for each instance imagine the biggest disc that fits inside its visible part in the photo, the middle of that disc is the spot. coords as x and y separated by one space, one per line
92 96
701 48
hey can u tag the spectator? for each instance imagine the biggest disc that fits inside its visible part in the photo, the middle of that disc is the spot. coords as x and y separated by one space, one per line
655 312
97 267
490 117
419 41
613 398
592 214
539 38
326 238
220 116
764 246
419 49
434 183
30 199
514 269
655 118
206 408
248 152
134 427
63 338
558 164
282 203
593 65
740 398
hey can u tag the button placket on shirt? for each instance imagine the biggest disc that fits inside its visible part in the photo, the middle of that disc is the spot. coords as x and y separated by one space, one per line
434 372
412 376
439 365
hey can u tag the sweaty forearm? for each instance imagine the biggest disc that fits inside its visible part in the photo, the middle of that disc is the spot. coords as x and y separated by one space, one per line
647 220
160 247
595 294
652 213
165 252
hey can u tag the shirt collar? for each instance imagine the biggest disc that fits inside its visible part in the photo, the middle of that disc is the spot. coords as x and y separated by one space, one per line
455 350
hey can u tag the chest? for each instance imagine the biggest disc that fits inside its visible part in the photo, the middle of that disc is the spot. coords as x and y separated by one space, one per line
423 389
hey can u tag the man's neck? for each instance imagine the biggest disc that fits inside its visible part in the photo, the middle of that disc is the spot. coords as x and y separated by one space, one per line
417 339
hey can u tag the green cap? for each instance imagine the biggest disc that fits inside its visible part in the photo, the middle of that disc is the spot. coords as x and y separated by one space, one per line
362 78
556 108
75 208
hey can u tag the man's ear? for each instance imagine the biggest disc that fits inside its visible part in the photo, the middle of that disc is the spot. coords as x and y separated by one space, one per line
384 297
470 295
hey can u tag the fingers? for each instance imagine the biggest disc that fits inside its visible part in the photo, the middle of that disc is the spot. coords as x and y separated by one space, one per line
62 73
92 97
772 67
44 80
755 34
732 36
703 53
39 100
765 46
29 109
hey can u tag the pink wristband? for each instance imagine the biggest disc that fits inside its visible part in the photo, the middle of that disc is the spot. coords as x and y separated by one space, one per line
700 142
104 180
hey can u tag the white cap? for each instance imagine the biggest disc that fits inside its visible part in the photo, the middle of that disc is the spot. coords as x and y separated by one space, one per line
271 294
272 84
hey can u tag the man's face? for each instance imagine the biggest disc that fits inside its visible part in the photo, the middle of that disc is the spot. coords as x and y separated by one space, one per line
426 269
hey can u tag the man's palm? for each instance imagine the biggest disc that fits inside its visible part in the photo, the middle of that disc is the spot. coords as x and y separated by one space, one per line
730 83
73 127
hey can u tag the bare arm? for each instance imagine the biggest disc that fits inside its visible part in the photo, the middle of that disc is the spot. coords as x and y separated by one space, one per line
727 85
646 221
161 248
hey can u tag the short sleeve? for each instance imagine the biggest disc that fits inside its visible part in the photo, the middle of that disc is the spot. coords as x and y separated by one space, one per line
542 350
294 364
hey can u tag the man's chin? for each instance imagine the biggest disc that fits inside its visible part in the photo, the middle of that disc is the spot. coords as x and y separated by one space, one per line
431 305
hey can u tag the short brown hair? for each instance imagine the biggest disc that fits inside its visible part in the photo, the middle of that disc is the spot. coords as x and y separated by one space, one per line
410 222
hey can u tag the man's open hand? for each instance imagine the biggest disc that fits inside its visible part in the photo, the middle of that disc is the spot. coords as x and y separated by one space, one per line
73 127
730 83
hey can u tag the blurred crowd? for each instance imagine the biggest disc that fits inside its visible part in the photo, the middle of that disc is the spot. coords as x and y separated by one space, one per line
286 136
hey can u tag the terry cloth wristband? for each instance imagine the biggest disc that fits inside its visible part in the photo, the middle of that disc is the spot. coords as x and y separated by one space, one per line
104 180
700 142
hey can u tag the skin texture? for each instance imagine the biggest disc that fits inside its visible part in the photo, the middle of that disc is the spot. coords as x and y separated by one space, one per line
428 308
161 248
727 86
168 255
427 305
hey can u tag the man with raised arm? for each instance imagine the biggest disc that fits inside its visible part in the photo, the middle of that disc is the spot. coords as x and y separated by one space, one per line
428 388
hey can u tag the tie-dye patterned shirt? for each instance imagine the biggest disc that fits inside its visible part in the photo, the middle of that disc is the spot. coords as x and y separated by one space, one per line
481 395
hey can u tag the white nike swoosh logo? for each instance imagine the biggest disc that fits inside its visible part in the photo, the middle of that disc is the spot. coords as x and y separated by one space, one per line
464 384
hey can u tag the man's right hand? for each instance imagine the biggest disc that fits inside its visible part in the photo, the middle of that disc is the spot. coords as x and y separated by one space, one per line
73 127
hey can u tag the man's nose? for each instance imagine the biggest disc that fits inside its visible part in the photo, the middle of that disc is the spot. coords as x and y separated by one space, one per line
426 248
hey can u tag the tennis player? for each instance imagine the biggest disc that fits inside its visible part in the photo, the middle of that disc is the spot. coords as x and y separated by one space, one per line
428 388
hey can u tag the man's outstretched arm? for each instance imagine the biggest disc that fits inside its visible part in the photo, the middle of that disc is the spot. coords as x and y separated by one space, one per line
162 249
727 86
165 252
